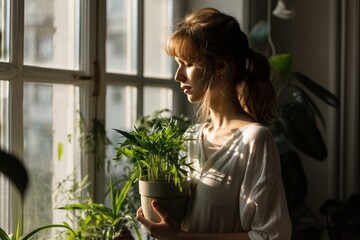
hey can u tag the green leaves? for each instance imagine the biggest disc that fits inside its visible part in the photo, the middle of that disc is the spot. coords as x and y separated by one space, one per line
17 236
297 112
99 220
297 123
281 63
318 90
156 151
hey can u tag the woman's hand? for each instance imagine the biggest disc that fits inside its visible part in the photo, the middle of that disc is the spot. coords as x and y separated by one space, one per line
166 229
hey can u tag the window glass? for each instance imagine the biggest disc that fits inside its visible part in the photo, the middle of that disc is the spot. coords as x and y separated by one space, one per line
121 36
51 33
157 98
4 143
157 25
51 149
4 30
121 108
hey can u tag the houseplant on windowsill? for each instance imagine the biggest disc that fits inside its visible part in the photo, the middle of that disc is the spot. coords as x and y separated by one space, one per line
158 163
98 221
18 236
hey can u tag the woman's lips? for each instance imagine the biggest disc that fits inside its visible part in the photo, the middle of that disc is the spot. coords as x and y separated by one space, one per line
186 89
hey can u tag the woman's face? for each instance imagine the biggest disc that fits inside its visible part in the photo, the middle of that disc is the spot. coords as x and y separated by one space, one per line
191 80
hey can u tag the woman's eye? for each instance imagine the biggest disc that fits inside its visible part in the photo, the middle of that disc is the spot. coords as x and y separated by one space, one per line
188 64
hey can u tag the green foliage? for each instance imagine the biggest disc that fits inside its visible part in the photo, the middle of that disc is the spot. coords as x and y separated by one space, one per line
156 151
148 121
94 140
60 150
297 112
296 127
98 221
17 235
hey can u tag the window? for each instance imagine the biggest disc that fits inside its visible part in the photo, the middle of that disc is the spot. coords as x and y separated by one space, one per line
4 144
62 65
138 71
50 148
51 33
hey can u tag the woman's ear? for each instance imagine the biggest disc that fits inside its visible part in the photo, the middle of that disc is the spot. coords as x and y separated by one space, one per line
220 67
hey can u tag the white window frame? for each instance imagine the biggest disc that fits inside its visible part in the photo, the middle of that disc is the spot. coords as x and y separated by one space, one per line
92 50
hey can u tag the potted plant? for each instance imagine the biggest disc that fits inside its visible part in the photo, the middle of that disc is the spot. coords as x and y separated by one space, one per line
158 166
98 221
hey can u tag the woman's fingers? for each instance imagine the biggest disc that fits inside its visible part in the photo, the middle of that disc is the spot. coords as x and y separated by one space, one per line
165 217
165 229
162 214
140 217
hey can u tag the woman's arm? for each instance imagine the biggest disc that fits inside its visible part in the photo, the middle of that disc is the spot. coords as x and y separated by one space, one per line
168 229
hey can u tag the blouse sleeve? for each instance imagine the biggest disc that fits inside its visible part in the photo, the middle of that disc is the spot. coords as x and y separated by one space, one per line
263 206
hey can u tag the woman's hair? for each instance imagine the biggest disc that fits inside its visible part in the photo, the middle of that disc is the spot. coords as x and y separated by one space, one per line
207 38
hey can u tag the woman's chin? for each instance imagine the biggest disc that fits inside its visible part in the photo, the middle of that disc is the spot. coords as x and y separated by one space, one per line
191 99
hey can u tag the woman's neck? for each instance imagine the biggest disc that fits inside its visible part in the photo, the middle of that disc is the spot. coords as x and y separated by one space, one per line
227 112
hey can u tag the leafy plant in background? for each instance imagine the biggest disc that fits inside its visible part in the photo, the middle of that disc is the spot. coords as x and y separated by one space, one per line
296 124
92 140
295 128
18 236
146 122
70 191
98 221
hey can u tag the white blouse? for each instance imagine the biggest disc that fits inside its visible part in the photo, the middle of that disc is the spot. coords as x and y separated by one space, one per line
239 188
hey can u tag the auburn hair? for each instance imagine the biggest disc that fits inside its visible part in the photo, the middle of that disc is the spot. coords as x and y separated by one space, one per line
208 36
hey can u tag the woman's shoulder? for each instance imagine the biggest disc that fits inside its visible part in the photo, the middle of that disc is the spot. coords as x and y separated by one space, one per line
256 131
194 130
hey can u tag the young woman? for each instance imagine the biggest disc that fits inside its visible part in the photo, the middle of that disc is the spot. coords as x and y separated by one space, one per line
237 189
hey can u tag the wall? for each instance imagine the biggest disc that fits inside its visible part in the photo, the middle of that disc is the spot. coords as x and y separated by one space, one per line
310 38
324 41
236 8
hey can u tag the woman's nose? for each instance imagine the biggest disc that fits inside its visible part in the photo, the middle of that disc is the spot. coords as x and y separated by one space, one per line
179 75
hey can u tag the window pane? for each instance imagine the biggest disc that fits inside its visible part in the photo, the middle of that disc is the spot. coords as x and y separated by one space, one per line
51 149
121 36
4 143
157 25
5 30
120 111
121 102
51 33
120 114
156 98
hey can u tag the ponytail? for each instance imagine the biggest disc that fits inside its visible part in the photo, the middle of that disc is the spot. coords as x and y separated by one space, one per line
258 94
208 36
